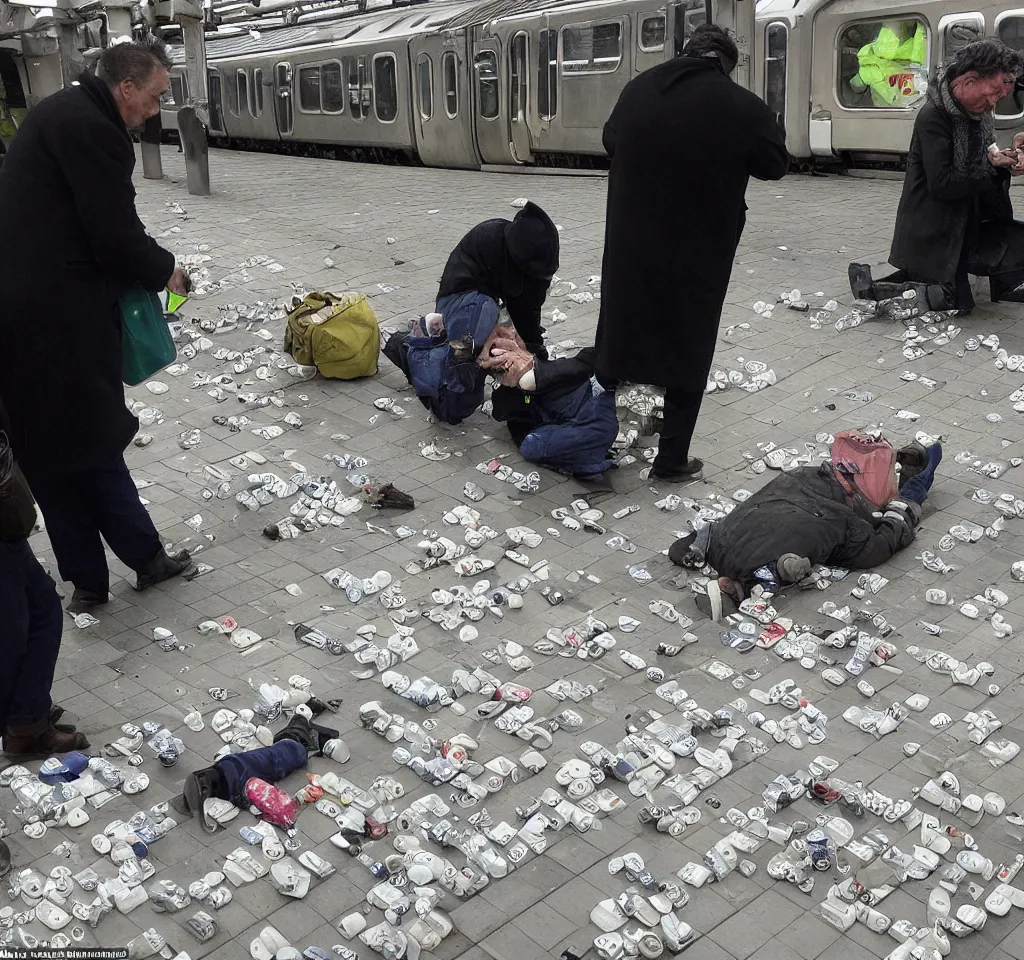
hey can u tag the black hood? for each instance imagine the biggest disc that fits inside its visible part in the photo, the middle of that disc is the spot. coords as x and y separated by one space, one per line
532 242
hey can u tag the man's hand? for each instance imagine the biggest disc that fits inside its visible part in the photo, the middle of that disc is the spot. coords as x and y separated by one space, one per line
509 356
1004 158
179 282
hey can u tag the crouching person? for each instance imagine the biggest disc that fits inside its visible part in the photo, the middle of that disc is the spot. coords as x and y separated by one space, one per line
844 513
31 624
555 410
438 355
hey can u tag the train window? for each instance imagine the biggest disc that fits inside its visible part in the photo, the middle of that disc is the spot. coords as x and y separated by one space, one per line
652 33
485 66
332 88
216 115
385 80
309 89
256 94
776 48
425 85
518 66
883 64
242 90
591 48
547 75
958 30
1010 29
177 91
450 69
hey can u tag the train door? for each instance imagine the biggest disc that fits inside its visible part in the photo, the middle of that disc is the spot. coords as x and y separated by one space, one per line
442 102
737 16
283 106
490 120
519 96
1009 112
863 104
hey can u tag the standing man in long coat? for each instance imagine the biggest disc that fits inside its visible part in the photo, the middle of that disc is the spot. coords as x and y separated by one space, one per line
71 244
683 141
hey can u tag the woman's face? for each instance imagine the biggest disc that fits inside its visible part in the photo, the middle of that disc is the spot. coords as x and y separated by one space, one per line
978 95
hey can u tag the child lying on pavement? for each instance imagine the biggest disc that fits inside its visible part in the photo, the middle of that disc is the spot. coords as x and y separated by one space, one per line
806 517
557 413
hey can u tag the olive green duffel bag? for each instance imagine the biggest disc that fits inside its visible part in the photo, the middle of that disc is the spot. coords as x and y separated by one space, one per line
339 335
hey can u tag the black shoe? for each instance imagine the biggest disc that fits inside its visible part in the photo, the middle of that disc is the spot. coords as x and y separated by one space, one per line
56 713
162 567
692 468
912 458
310 735
84 601
861 284
198 788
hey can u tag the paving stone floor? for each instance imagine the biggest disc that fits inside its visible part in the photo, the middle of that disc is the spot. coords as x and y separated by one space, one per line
800 233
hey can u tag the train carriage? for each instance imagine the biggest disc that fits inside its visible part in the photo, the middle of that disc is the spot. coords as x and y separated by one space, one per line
816 60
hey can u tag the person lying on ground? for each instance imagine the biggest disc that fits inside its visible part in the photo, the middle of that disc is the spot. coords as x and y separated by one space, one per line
228 777
512 263
955 217
555 410
805 517
31 624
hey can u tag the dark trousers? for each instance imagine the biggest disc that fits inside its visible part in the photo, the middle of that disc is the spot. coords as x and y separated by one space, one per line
997 254
31 622
82 507
272 764
681 410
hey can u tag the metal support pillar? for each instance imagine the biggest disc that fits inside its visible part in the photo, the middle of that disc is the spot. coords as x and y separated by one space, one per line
193 118
72 64
152 165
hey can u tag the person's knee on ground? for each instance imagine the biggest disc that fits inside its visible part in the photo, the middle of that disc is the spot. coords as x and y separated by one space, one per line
792 568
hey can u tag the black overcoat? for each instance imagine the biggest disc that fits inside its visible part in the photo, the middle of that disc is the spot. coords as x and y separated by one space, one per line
939 212
806 512
683 141
71 244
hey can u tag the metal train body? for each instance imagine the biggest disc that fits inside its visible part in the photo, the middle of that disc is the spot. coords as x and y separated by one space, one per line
806 54
460 84
454 84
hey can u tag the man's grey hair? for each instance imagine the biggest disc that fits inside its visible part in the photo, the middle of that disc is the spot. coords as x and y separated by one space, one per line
134 61
987 58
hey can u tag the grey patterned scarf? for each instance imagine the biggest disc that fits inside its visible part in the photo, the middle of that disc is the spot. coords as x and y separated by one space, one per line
971 135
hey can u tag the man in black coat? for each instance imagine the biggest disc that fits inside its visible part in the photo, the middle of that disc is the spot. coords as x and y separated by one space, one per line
510 262
955 217
71 244
683 141
807 517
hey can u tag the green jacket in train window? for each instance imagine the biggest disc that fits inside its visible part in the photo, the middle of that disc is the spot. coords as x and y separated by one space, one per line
894 68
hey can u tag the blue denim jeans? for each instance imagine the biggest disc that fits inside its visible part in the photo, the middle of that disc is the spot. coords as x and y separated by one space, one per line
31 623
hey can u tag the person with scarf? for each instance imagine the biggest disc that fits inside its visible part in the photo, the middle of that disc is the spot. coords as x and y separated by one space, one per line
955 217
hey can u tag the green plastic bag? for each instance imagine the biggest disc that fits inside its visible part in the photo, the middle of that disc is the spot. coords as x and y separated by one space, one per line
146 344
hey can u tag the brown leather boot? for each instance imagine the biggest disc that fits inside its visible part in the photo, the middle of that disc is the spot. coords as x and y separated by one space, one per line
41 739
